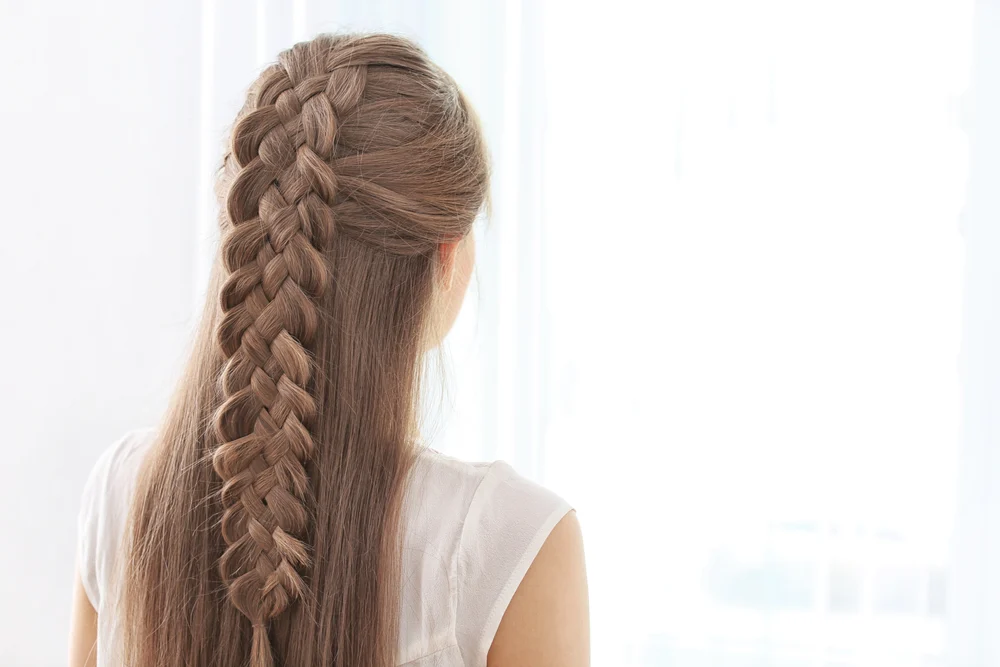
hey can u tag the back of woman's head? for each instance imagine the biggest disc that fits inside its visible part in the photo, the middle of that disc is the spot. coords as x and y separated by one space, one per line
266 521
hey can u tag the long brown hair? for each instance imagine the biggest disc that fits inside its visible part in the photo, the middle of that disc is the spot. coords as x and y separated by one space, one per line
266 521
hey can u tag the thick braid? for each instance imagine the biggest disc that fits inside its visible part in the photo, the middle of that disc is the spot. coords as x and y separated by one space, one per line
280 209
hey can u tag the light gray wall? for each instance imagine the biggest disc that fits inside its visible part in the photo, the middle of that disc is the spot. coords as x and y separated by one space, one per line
99 198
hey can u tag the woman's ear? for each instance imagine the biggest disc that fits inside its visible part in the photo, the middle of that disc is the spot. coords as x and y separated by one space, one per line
447 255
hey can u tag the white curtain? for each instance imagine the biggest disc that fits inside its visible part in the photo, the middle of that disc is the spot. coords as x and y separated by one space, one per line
974 612
718 307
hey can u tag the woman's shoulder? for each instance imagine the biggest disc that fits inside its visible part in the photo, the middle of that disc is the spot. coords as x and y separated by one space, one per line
477 526
113 474
112 477
123 455
470 497
104 507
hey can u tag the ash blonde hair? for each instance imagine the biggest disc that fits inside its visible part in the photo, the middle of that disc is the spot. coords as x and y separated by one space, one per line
265 528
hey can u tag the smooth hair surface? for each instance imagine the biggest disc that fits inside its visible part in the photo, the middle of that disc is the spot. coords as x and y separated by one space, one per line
265 528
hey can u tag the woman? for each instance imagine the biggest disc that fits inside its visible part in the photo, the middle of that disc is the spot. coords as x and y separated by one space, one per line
284 512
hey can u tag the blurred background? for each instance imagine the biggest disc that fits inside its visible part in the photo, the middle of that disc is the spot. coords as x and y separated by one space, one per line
739 300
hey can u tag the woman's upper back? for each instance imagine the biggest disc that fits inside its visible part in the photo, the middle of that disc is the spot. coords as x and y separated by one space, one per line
471 532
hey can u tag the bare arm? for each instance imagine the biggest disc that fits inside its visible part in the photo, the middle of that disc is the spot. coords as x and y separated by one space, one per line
547 622
83 629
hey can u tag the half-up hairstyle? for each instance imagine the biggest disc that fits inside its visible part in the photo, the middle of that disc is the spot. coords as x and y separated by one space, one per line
266 523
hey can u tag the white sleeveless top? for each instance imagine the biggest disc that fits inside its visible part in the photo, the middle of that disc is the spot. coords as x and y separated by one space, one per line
471 531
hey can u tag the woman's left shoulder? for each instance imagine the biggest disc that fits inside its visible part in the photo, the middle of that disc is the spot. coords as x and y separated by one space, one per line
104 507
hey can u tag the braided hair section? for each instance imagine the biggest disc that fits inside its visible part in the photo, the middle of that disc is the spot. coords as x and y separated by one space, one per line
281 223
